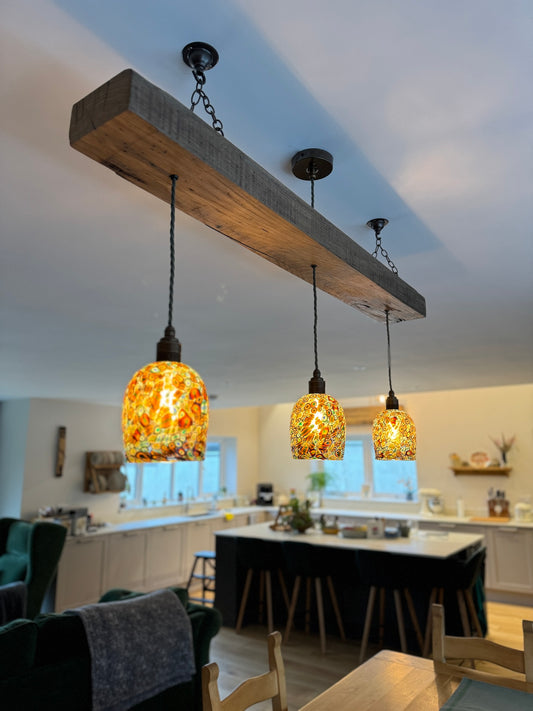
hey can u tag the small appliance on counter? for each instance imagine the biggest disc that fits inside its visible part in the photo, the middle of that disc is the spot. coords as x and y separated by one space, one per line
523 511
73 519
430 502
265 494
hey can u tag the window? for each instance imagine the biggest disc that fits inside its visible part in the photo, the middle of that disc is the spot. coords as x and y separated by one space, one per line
358 469
158 482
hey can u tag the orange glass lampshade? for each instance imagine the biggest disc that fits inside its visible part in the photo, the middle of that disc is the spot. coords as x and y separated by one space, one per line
165 414
317 428
394 435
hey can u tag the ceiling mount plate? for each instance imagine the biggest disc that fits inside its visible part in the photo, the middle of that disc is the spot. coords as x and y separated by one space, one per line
312 160
377 224
199 56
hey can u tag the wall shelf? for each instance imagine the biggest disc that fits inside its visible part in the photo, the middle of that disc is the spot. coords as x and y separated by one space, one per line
498 471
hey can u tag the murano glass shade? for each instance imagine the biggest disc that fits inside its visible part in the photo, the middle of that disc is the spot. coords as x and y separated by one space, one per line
317 428
165 414
394 435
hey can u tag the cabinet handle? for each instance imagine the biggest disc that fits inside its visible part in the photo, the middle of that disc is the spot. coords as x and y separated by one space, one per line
508 530
130 535
83 540
446 525
170 528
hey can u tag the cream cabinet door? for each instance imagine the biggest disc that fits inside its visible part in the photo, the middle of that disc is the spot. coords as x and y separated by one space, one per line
164 556
125 560
80 572
511 559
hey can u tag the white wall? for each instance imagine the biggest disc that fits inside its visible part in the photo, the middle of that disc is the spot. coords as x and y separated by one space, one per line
14 417
28 436
459 421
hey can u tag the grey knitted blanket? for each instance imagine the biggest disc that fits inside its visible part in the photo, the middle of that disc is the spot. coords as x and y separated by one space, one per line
139 647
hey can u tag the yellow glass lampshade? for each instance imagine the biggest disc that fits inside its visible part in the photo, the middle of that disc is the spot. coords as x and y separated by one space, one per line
165 414
317 428
394 435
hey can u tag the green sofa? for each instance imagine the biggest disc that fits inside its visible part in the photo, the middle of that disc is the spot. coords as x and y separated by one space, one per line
45 663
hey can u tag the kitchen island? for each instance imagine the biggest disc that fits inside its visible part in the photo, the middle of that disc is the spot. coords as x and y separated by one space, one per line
352 591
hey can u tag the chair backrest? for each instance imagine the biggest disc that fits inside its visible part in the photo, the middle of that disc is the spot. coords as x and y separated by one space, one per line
476 648
270 685
31 553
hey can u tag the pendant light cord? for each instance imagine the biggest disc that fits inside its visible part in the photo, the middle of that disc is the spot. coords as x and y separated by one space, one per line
388 347
174 178
313 266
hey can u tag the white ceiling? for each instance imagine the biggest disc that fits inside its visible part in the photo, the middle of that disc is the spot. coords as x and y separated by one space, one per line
427 109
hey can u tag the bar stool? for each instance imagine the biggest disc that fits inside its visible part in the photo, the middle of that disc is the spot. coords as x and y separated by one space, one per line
460 577
207 576
262 557
388 572
304 560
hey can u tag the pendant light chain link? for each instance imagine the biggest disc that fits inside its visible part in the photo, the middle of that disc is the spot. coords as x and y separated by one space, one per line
199 94
174 178
384 253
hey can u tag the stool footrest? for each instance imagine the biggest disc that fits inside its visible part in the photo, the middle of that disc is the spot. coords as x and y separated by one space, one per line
198 576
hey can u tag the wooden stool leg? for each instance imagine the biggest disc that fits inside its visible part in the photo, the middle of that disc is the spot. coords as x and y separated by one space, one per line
399 618
292 608
268 582
244 600
283 588
473 612
368 620
429 623
463 613
381 616
261 595
414 618
307 605
336 607
320 610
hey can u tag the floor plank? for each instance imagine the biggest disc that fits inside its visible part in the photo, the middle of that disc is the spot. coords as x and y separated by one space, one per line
309 672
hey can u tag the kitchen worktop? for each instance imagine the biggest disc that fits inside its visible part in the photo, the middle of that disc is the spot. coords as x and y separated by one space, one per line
426 543
139 524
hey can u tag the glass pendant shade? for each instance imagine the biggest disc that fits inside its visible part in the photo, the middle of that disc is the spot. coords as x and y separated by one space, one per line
394 435
317 428
165 414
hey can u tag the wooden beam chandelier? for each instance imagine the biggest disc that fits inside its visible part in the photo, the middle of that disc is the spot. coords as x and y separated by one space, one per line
144 135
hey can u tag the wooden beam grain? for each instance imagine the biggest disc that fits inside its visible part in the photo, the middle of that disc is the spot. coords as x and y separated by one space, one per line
144 135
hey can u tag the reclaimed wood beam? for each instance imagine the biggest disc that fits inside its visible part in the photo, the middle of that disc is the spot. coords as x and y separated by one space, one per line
144 135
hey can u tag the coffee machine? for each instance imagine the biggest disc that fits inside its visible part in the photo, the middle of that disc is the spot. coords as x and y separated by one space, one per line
265 495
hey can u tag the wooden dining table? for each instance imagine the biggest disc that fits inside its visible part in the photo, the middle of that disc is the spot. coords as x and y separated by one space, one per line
389 681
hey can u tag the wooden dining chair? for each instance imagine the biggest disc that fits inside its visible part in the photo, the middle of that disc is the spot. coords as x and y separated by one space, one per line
270 685
476 648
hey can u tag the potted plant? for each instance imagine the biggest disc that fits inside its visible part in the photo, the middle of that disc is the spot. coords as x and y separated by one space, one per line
318 482
300 518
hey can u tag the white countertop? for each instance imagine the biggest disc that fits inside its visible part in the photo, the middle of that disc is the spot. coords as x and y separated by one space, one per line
140 524
424 543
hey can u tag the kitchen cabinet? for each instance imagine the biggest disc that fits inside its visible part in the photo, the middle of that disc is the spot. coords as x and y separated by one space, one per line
125 560
510 553
80 572
165 556
199 537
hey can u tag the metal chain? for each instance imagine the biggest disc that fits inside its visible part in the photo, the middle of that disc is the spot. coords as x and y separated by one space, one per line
388 347
198 94
384 253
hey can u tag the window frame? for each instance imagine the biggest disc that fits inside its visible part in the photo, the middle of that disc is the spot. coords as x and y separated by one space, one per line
226 445
365 437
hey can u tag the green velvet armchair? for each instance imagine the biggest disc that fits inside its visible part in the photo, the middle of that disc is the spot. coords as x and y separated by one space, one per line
30 552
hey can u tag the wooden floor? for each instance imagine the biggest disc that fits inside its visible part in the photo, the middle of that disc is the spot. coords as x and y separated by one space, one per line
308 671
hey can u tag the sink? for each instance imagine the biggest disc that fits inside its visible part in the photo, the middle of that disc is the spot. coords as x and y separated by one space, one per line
201 513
